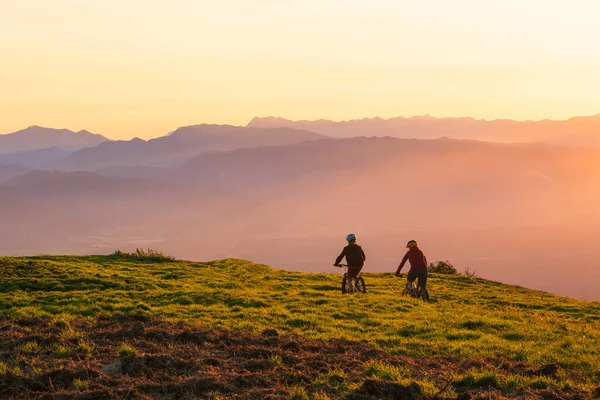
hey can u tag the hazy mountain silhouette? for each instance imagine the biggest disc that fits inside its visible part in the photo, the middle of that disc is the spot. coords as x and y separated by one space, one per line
579 131
34 158
36 137
57 184
468 175
179 146
12 170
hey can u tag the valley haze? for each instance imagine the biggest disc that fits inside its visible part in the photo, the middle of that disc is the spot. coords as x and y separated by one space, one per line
517 201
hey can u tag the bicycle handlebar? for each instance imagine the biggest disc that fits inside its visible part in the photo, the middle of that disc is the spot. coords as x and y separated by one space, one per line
340 265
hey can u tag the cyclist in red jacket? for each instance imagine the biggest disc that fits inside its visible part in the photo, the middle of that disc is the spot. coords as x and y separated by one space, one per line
418 264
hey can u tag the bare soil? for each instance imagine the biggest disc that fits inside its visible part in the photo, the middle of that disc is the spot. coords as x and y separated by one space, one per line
176 361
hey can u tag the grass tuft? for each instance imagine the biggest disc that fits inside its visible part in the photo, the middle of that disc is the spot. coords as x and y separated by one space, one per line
30 347
335 378
126 350
475 379
299 393
80 385
387 372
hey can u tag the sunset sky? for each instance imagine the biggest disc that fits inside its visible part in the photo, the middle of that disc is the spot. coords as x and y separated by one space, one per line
127 68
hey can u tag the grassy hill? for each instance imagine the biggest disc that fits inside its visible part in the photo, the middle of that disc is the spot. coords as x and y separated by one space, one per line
268 333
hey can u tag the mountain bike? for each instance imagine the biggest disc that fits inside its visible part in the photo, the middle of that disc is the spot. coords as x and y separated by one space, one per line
359 284
411 289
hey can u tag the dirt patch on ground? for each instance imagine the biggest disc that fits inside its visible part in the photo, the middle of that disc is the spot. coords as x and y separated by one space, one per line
135 357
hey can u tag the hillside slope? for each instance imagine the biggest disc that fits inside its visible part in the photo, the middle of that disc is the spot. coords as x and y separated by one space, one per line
476 336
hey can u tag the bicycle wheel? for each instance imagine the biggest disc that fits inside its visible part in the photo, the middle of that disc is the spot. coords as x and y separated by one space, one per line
426 295
360 285
345 285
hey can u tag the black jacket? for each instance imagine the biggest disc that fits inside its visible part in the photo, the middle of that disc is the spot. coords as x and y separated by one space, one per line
355 256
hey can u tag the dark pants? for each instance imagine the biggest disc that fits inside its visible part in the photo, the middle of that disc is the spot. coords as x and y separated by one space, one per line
421 274
353 271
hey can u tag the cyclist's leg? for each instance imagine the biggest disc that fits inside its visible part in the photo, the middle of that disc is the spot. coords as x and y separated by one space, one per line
410 278
352 275
410 281
422 283
422 279
358 269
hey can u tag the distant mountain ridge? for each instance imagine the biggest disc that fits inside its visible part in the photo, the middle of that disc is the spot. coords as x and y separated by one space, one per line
179 146
38 158
37 137
10 171
579 131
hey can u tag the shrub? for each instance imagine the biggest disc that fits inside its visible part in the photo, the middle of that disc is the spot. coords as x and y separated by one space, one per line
442 267
144 255
471 273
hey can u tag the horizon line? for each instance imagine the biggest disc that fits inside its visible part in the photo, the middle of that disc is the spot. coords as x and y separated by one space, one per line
321 120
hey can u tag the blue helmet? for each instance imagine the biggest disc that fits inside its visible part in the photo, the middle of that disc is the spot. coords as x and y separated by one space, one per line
351 236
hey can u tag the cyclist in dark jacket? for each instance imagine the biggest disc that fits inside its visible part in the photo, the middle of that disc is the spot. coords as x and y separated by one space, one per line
418 264
355 257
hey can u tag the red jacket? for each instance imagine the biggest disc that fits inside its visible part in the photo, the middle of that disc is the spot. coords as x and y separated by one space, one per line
417 260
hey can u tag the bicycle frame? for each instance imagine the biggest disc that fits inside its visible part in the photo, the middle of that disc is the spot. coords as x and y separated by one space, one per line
349 286
346 269
413 290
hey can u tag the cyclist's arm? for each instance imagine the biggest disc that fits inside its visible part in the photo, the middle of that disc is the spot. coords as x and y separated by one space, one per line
363 254
402 264
340 257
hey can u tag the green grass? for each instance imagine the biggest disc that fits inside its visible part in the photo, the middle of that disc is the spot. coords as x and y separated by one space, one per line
336 378
467 318
80 385
30 347
127 351
63 352
386 372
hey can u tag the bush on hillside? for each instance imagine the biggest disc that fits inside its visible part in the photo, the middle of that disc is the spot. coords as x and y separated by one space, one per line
442 267
471 273
143 255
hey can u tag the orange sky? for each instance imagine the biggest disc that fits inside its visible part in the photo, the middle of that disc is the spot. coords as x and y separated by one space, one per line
142 68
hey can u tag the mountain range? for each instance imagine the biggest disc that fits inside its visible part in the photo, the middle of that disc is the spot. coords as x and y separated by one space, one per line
36 138
43 148
577 131
179 146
